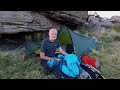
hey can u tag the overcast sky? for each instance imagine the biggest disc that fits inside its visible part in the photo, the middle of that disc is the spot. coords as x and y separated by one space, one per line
108 14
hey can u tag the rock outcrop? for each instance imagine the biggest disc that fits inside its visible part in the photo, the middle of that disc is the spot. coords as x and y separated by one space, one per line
71 17
12 22
115 20
97 23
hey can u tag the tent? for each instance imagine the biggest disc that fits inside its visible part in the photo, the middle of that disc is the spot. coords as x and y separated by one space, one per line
81 43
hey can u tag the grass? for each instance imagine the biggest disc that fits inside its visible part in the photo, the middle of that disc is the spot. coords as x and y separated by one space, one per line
117 28
13 65
109 54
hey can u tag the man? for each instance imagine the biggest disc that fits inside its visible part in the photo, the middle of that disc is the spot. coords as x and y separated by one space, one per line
48 49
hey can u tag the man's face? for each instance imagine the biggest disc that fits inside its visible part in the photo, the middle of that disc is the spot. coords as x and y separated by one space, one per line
53 34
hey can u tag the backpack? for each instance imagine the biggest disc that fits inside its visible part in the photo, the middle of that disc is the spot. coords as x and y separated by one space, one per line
89 72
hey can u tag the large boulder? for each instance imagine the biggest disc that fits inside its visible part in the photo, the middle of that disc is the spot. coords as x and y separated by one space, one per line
115 20
97 23
12 22
70 17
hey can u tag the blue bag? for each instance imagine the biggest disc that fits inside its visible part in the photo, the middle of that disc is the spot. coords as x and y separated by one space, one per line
70 65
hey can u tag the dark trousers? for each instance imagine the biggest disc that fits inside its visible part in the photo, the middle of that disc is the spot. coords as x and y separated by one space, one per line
55 70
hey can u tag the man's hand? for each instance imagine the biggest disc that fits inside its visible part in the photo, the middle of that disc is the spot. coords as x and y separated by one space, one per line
57 59
62 51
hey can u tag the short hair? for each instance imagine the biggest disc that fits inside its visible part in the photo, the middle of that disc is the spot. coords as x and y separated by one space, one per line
52 29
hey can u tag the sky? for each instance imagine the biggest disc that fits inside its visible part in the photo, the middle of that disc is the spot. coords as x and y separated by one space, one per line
108 14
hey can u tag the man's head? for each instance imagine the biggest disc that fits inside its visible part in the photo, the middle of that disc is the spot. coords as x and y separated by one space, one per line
52 34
